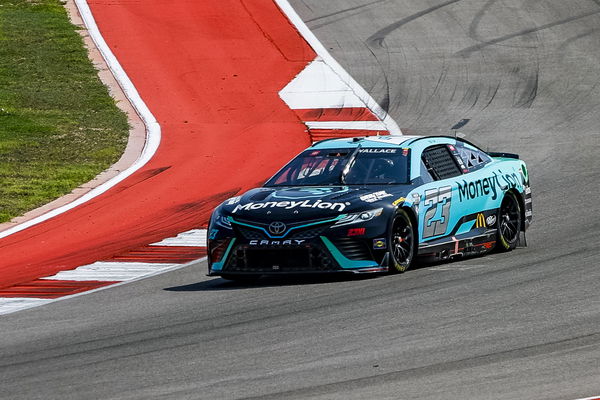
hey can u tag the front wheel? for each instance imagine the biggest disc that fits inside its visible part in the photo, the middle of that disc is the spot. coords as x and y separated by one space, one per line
402 242
509 223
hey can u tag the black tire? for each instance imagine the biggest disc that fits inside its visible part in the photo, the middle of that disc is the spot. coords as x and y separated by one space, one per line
509 223
241 278
401 242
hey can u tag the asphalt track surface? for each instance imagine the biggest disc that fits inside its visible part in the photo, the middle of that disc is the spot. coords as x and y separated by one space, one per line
523 325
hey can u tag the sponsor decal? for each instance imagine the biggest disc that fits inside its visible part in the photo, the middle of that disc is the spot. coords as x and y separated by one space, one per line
480 222
233 201
356 231
512 180
378 151
379 243
416 198
213 233
416 201
373 197
460 162
480 187
314 153
398 201
291 205
290 242
491 220
485 186
523 172
277 227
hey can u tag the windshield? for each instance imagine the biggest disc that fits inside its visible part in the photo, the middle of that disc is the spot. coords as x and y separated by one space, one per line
368 166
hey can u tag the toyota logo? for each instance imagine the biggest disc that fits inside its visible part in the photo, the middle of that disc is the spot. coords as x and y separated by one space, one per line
277 228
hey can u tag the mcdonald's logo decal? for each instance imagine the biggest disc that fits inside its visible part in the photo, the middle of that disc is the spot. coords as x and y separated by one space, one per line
480 222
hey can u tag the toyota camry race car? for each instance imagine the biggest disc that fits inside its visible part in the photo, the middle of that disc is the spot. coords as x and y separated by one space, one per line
370 205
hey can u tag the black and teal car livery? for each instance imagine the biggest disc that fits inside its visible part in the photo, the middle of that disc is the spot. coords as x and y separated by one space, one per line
371 205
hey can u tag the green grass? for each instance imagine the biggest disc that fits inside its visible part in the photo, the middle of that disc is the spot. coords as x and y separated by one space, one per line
58 125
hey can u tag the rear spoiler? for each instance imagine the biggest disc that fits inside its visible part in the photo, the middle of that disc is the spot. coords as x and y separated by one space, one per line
504 155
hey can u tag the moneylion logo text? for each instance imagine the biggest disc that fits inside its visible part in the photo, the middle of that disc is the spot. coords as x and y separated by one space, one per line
290 205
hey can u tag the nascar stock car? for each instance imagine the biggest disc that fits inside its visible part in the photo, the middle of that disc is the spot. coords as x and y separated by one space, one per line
370 205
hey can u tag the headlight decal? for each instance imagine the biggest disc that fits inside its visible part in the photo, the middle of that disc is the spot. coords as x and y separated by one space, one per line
223 221
354 218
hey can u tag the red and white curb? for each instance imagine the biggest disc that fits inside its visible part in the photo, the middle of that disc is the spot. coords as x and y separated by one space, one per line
329 106
157 258
325 98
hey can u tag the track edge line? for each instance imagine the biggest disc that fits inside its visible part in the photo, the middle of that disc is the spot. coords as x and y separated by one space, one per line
322 52
153 130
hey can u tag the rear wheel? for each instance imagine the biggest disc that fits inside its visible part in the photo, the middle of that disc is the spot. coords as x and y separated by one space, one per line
402 242
509 223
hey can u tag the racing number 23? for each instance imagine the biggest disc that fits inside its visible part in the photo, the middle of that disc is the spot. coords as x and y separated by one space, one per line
434 198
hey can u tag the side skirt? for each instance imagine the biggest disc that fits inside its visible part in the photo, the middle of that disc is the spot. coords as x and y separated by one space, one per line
459 246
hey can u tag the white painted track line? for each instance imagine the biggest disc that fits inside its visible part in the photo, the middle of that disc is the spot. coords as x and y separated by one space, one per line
12 304
358 90
153 131
318 86
317 77
359 125
345 99
193 238
111 271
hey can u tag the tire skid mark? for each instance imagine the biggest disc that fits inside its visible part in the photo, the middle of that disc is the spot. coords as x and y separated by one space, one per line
493 95
530 91
477 20
574 39
468 51
385 102
376 39
346 11
357 11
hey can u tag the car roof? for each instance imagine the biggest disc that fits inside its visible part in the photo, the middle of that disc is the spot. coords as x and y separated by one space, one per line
376 141
368 141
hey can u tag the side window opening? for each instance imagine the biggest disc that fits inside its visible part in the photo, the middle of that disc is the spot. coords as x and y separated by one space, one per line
425 174
473 158
440 163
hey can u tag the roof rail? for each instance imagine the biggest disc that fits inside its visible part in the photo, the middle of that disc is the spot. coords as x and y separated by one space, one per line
354 139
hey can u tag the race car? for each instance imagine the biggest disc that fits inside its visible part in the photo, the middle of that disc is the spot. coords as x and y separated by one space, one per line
372 205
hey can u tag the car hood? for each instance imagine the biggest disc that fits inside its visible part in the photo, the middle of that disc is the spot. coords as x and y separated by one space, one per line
315 202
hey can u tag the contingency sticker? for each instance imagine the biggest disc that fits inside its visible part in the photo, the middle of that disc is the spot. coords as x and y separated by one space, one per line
380 243
373 197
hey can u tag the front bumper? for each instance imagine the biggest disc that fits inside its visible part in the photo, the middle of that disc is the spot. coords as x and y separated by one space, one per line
317 256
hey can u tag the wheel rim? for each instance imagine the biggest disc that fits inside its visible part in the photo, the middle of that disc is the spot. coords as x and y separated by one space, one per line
510 219
402 241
